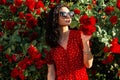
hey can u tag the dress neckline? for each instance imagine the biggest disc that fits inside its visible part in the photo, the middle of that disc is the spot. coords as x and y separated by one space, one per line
67 42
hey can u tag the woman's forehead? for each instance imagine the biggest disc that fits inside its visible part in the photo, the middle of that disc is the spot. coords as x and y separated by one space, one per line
64 9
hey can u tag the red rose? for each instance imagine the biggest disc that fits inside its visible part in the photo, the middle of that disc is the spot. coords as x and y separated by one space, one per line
9 25
76 11
38 11
8 57
51 1
21 15
30 4
17 73
25 63
115 49
32 50
109 9
88 29
106 49
39 64
14 57
115 46
87 24
13 9
2 2
1 34
94 2
57 1
31 23
28 16
114 19
114 41
1 48
18 3
118 4
85 20
108 60
39 4
34 53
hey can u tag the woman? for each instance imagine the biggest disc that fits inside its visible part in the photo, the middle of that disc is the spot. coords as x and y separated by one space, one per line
70 53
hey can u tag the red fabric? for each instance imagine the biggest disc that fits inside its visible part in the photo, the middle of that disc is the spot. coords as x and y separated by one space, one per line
69 62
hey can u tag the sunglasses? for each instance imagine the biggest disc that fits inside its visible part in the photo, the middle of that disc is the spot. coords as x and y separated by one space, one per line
65 14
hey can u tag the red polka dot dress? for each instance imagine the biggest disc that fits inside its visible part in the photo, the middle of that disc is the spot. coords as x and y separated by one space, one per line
69 62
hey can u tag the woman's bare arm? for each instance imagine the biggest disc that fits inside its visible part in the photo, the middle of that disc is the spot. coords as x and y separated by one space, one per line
87 55
51 72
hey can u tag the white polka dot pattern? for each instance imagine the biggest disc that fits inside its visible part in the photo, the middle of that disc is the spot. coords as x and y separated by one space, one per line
69 62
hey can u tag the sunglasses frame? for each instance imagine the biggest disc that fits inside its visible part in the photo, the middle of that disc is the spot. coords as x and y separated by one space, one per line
65 14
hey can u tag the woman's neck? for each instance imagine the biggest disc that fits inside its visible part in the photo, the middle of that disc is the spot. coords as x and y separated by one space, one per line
63 30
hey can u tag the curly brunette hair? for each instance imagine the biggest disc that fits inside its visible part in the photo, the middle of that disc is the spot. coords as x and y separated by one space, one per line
52 27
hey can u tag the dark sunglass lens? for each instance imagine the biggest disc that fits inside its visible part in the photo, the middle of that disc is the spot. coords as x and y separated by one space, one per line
71 14
63 14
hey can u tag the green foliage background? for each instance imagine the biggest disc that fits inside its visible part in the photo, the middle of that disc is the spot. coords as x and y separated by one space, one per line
106 31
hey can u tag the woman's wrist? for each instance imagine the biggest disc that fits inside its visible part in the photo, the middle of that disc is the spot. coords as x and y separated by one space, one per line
86 52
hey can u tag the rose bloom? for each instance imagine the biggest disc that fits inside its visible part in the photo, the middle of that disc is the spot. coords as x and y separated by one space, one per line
114 41
114 19
1 48
9 58
108 60
109 9
94 2
17 73
30 4
85 20
25 63
13 9
31 23
39 4
1 34
76 11
28 16
2 2
38 11
106 49
51 1
115 49
21 15
39 64
88 29
115 46
32 50
18 3
118 4
9 25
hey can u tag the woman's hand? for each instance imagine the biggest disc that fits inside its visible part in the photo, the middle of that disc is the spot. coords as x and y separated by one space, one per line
85 38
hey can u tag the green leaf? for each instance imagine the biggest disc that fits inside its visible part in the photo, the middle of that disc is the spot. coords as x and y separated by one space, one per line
8 51
74 24
32 68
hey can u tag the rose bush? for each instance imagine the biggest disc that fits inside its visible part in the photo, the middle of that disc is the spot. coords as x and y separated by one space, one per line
105 41
22 32
22 39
